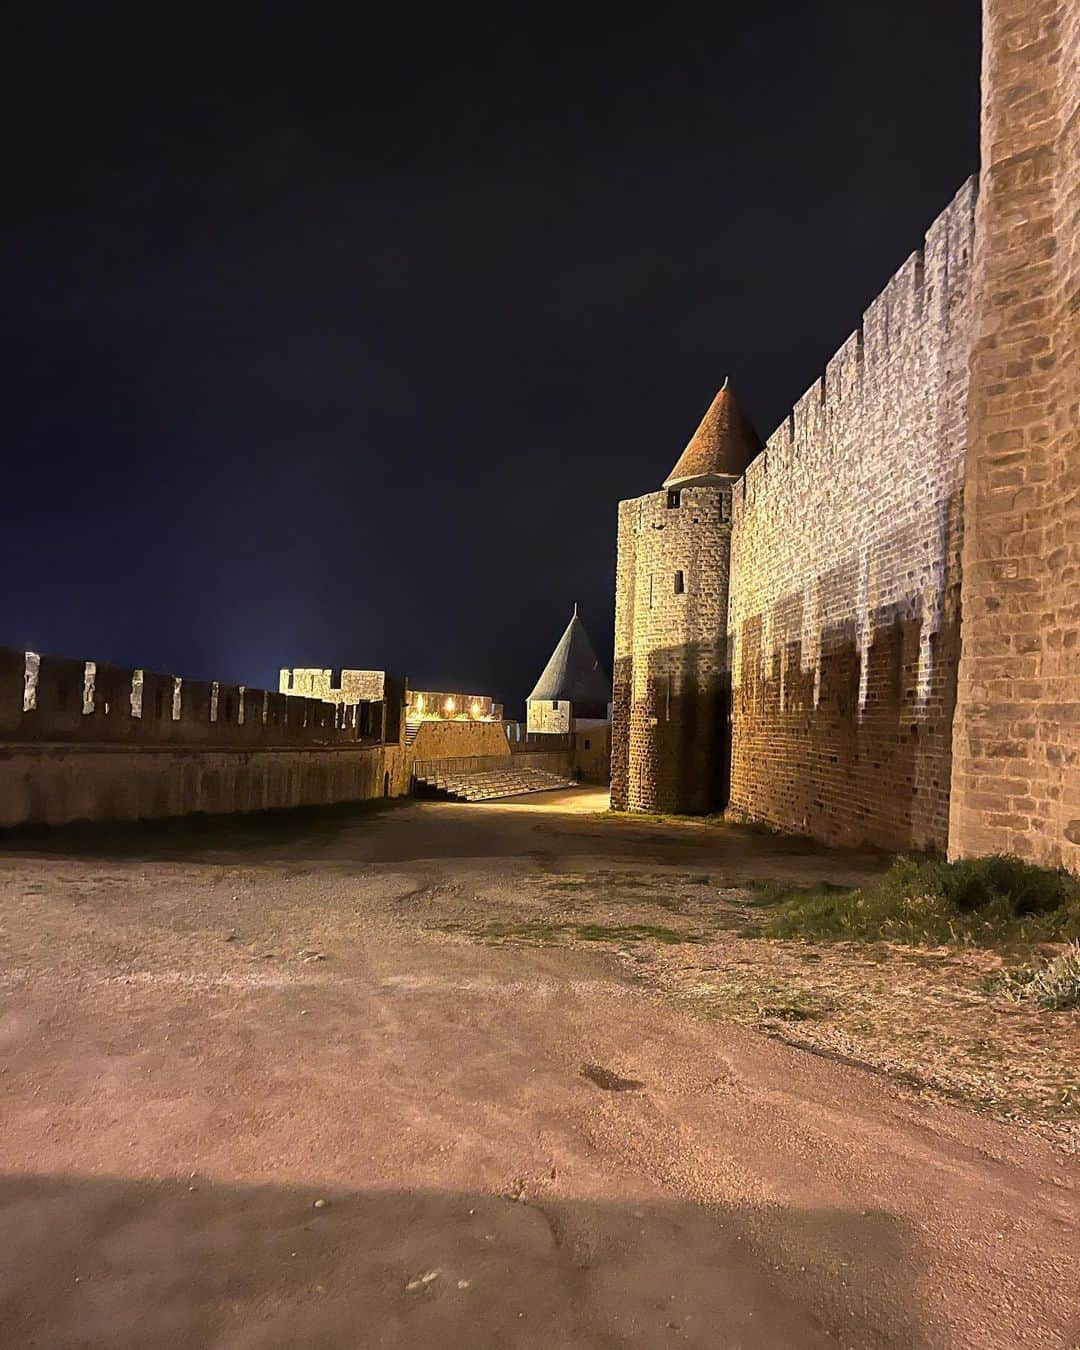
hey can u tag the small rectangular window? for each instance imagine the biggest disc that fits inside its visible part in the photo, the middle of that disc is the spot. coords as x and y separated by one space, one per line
680 585
674 499
588 745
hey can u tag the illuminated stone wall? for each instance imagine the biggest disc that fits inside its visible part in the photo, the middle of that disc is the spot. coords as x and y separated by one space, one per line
350 686
845 566
668 711
1017 743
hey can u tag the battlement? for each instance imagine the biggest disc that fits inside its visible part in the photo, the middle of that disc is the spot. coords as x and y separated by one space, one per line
923 303
845 569
50 698
333 686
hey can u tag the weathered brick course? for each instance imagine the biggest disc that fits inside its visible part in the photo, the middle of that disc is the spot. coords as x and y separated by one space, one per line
1016 781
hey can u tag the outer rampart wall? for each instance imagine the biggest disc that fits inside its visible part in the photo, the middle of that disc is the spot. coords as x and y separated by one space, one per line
1017 745
845 572
54 784
84 741
48 698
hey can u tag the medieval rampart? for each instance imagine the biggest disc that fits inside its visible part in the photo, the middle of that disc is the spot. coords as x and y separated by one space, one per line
80 740
845 572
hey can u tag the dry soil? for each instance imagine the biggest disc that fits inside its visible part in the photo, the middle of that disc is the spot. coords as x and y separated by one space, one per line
273 1084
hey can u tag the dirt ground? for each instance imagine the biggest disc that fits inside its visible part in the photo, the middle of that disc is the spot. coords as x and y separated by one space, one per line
476 1076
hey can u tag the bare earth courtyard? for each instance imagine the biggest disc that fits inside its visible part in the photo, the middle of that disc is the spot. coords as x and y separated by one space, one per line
514 1075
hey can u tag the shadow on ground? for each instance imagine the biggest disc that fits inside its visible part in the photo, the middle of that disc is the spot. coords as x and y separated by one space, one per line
137 1265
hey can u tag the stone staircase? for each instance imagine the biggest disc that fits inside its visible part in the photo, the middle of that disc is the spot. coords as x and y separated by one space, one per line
485 785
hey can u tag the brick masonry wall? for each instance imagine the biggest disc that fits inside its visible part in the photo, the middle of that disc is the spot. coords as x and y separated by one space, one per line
1017 738
845 564
668 717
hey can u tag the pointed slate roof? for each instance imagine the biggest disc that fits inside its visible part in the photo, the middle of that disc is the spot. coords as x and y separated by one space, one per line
722 447
574 672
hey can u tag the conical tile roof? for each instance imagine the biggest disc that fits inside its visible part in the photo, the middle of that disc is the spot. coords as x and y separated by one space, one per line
574 673
722 447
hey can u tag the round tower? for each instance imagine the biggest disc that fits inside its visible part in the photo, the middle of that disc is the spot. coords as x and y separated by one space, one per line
671 697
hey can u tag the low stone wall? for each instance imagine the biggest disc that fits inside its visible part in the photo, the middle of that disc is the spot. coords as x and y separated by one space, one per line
455 740
56 784
554 761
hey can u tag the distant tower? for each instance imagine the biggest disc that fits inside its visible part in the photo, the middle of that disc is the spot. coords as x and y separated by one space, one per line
671 719
573 686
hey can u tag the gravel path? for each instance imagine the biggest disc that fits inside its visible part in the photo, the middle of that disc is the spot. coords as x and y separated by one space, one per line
247 1101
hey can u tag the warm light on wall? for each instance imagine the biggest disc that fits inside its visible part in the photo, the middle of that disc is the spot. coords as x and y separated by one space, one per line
449 705
476 709
419 703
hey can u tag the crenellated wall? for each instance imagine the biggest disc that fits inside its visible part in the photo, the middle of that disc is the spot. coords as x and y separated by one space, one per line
49 698
80 740
843 624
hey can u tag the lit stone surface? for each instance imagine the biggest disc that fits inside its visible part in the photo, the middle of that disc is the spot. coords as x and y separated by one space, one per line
1017 746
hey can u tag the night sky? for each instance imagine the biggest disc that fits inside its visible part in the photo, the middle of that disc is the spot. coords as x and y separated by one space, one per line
333 334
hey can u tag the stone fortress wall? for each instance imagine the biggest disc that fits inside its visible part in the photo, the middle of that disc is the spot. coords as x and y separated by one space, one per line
80 740
351 686
1016 783
48 698
354 686
843 625
903 625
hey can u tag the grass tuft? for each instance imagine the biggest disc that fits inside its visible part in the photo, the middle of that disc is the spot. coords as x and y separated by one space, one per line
982 902
1055 985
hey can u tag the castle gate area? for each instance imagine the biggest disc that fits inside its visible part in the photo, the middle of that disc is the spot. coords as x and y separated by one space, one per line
497 1075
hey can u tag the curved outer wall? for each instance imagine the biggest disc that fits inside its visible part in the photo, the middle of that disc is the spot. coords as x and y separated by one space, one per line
669 697
1016 782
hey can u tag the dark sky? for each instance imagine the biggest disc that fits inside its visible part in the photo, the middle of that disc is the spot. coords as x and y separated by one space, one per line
333 334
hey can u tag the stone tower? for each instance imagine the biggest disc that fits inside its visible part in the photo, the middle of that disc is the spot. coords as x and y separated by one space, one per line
1016 735
572 687
670 717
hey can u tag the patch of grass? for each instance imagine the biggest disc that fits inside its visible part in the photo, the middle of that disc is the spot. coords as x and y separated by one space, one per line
983 902
767 894
669 818
1055 985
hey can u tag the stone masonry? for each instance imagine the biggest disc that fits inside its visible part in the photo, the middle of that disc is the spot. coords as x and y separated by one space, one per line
892 592
845 562
670 672
1016 785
